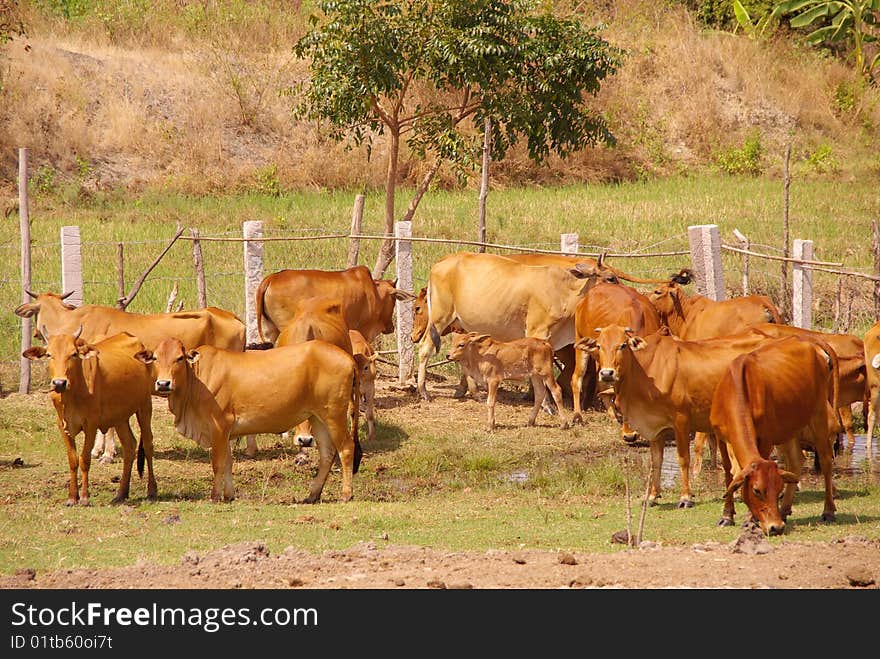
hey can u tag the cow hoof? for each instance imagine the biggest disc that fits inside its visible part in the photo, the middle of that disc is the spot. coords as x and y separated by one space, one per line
459 393
117 500
70 502
828 518
152 496
106 459
725 521
653 502
566 426
310 499
85 502
685 503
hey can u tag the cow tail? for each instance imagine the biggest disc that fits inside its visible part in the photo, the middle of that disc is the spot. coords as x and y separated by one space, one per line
261 292
738 370
354 410
141 457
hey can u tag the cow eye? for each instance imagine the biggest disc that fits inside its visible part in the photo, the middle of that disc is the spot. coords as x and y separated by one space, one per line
758 494
622 346
179 359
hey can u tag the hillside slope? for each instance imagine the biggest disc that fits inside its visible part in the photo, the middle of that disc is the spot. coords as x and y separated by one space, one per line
190 101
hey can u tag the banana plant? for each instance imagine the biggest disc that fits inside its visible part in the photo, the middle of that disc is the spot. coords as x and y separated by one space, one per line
754 29
851 21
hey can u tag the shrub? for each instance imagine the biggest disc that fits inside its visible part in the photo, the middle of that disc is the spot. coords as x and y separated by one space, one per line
747 159
822 161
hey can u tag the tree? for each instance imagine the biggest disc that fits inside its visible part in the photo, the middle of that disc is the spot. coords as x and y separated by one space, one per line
428 72
851 22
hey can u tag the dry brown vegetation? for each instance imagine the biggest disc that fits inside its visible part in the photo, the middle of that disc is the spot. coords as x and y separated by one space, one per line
187 98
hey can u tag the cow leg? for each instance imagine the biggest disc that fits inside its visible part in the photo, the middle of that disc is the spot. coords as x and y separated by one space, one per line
490 403
105 446
727 516
85 461
73 463
847 417
221 453
566 357
873 402
146 442
581 360
342 443
540 393
824 446
326 454
683 447
250 449
369 394
304 435
126 438
558 395
656 445
794 458
465 386
426 349
228 488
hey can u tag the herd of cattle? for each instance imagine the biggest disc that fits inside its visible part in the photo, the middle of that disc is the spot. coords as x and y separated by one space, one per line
665 365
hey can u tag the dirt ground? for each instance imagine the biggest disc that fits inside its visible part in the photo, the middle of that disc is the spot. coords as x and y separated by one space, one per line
747 563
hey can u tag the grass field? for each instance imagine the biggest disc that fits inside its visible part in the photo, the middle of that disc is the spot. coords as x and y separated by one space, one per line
431 477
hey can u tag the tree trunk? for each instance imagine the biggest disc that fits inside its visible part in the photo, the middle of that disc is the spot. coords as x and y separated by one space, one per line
386 251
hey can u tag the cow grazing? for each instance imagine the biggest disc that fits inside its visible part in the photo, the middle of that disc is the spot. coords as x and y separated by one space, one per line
97 387
766 398
367 304
871 343
505 299
211 325
487 361
316 318
696 317
663 385
217 394
607 304
366 357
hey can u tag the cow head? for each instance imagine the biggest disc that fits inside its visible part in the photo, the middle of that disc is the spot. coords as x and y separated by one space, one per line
461 343
64 352
44 305
420 315
762 483
610 349
170 363
667 296
387 295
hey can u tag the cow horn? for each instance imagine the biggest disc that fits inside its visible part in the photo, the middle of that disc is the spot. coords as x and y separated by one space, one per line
601 260
67 295
78 332
33 295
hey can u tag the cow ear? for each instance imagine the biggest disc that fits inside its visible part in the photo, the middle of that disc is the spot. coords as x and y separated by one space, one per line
739 479
788 477
876 361
145 356
586 344
481 338
637 343
27 310
34 353
85 350
192 356
403 296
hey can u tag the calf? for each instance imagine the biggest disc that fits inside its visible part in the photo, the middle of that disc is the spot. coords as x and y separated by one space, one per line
97 387
487 361
366 357
217 394
767 398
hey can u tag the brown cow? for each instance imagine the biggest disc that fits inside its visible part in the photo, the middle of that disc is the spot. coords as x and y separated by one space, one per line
765 399
487 361
217 394
368 304
316 318
664 386
607 304
872 365
366 357
97 387
696 317
211 325
503 298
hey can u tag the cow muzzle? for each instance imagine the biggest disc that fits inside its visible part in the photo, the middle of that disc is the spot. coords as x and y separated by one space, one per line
608 375
59 385
163 386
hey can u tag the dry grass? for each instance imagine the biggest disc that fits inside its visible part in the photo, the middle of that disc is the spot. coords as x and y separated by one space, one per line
185 100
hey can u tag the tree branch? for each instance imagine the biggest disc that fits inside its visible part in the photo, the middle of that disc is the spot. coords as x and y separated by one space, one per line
123 302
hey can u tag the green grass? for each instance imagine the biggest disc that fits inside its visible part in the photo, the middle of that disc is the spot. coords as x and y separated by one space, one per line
430 478
646 216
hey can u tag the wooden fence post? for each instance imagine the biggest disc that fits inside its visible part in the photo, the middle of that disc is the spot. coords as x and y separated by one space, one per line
802 285
24 380
253 275
744 243
875 249
568 243
404 309
120 271
71 265
199 265
705 242
354 244
484 181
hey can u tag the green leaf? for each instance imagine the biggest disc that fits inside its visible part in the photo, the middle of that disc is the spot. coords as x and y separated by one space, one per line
742 16
811 15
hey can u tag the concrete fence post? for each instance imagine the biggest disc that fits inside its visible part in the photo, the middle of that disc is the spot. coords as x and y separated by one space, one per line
705 242
253 274
24 222
568 243
71 265
404 309
802 285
